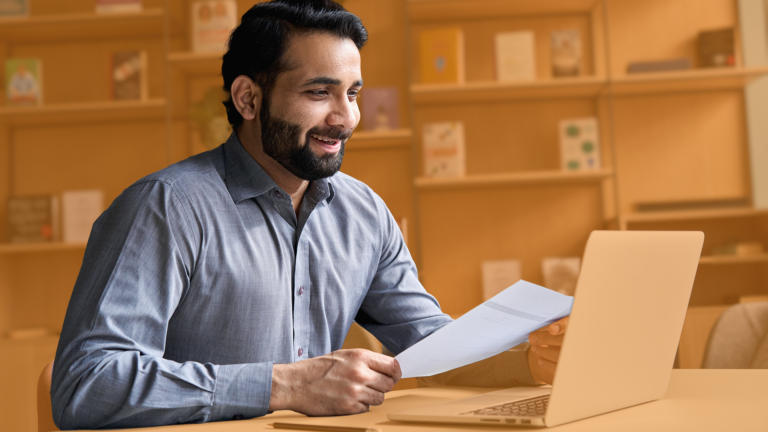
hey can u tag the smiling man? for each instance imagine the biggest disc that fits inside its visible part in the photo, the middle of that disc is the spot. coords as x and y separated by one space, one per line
222 287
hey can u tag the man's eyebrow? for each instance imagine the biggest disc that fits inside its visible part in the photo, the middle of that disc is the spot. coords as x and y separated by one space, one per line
330 81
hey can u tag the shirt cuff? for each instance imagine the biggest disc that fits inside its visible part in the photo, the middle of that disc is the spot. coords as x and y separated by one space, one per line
242 391
513 366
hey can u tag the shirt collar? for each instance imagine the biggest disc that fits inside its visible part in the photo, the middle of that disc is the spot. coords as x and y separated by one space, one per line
245 178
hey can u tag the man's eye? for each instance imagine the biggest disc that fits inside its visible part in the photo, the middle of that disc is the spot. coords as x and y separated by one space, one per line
318 92
353 94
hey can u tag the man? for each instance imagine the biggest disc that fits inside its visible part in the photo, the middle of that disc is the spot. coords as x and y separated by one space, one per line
222 287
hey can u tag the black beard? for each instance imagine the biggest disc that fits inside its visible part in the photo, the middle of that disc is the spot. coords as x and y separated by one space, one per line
281 141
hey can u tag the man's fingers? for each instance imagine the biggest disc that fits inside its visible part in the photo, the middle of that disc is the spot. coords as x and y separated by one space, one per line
551 353
547 368
379 382
383 364
545 338
369 397
559 327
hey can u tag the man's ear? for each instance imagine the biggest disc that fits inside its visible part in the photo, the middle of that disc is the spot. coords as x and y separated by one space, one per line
246 95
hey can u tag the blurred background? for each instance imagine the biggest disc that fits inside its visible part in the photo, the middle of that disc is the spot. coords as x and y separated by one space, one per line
500 133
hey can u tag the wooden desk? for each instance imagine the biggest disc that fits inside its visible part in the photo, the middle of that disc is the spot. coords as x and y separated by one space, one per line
697 400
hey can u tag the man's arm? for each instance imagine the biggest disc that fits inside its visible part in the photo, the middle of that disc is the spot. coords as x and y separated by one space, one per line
109 369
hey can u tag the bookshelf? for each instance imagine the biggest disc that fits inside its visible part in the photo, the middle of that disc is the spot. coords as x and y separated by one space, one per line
533 178
82 26
84 112
10 248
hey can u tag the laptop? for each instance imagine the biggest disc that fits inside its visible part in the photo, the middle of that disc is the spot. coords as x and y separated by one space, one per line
631 300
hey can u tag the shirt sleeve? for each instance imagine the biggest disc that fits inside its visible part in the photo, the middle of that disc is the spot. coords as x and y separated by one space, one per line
400 312
109 370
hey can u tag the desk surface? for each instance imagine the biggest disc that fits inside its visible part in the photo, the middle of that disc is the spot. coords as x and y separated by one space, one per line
697 400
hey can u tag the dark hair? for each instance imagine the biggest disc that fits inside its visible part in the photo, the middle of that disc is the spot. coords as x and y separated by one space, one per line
257 45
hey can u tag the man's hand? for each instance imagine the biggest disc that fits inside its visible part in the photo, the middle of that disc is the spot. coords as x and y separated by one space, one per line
342 382
545 350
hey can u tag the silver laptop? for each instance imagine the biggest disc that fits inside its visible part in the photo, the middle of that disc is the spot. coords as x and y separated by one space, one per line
631 300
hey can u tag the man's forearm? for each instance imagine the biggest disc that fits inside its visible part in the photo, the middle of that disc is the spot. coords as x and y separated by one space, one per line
507 369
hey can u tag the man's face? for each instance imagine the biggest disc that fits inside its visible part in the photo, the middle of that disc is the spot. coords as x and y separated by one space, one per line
312 108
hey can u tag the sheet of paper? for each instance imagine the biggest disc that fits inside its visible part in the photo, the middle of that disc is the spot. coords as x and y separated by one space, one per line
495 326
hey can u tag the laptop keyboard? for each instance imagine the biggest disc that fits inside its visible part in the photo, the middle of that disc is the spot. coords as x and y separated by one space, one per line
533 407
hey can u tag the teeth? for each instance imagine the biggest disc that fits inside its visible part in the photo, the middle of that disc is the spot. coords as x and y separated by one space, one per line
323 139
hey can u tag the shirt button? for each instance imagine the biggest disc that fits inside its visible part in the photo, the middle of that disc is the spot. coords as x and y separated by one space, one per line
301 351
237 417
278 194
301 290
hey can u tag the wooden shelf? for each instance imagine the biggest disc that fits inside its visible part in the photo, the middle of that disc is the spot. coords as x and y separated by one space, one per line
627 219
89 112
562 88
686 81
732 259
533 178
441 10
196 63
365 140
17 248
91 26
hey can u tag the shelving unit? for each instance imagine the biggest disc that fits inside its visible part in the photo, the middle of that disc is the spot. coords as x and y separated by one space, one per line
84 112
10 248
534 178
82 26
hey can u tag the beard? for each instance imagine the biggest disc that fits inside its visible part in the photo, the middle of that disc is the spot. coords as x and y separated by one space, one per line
281 141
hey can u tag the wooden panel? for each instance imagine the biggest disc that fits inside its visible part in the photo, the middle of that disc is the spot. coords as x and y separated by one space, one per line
487 91
41 285
461 229
105 156
479 42
693 339
510 136
681 147
21 362
651 30
525 178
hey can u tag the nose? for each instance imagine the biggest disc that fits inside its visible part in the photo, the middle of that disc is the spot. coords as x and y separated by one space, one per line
344 114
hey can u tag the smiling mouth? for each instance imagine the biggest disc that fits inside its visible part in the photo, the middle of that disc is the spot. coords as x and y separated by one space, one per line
327 144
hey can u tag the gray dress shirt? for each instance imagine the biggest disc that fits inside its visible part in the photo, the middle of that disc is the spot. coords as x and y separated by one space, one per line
200 277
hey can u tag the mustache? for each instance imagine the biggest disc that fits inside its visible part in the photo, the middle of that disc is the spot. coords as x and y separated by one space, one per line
330 132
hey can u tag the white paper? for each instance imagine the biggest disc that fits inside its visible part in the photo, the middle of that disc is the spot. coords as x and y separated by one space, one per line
495 326
79 210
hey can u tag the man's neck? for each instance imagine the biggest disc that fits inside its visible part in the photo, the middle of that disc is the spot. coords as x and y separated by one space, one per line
294 186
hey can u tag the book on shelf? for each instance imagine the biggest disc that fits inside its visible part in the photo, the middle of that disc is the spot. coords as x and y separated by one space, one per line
118 6
561 274
33 219
212 23
716 48
24 81
515 56
443 146
12 8
442 56
659 66
579 145
128 78
210 118
499 275
381 109
566 53
79 210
